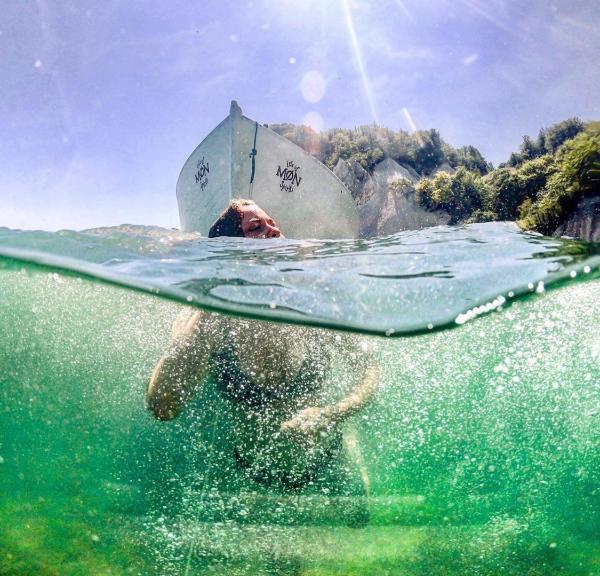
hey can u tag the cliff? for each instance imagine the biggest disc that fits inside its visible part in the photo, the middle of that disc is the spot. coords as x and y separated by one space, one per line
584 222
386 198
402 181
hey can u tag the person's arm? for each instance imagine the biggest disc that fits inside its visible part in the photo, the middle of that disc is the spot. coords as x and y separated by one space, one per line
359 398
180 371
318 419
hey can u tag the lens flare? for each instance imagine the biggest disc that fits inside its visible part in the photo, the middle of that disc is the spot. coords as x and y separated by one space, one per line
359 58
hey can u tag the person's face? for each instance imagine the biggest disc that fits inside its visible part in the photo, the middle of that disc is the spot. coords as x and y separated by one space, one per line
256 223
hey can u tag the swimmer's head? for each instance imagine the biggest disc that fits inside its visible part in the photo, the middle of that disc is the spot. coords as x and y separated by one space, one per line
244 219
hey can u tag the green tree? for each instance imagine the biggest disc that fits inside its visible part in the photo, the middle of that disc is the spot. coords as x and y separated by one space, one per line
424 193
459 194
472 160
547 142
504 193
510 187
370 144
577 174
533 175
557 134
530 149
429 153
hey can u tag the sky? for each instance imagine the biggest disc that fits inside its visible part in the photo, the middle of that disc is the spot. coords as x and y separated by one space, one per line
101 103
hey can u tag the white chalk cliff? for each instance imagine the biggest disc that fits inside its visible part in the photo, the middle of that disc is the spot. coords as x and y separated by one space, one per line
386 198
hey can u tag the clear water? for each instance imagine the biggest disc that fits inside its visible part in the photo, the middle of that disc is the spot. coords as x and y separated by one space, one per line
481 449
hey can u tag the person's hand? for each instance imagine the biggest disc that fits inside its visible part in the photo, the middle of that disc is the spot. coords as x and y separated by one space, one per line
310 421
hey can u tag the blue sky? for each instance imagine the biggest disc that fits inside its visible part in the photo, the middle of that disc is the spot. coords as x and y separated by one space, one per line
101 103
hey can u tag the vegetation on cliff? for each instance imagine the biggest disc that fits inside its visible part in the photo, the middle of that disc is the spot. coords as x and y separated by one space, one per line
539 186
539 192
423 150
575 175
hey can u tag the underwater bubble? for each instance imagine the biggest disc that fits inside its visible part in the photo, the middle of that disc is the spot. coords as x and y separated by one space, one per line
432 430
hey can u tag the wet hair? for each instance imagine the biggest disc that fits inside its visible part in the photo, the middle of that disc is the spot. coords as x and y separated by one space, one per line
229 222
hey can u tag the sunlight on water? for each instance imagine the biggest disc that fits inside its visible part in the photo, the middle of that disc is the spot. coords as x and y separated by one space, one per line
382 286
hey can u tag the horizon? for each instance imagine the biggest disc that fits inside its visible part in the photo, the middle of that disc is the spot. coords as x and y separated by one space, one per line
103 105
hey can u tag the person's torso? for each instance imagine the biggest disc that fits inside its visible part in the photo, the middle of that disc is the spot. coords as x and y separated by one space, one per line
268 373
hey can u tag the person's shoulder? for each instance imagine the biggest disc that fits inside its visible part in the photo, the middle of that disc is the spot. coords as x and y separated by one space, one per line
353 344
191 319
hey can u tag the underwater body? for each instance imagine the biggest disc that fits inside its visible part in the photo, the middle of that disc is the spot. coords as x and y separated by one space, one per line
481 448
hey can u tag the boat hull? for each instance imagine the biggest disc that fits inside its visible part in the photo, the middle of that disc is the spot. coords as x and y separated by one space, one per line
242 159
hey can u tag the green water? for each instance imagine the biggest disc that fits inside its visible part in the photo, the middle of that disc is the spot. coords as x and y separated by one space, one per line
481 449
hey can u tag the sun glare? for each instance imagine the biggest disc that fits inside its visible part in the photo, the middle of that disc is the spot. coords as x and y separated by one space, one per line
359 58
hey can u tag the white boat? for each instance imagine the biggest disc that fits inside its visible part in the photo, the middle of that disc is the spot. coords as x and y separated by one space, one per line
242 159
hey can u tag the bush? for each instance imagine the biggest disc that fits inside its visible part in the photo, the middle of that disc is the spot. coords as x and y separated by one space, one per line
459 194
510 187
368 145
577 174
547 142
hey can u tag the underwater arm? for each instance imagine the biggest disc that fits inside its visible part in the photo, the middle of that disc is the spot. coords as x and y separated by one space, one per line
318 419
358 399
180 371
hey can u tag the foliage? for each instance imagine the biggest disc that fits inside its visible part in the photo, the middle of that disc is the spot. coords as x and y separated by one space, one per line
508 188
539 185
576 175
559 133
547 142
459 194
540 190
401 185
470 158
429 153
423 150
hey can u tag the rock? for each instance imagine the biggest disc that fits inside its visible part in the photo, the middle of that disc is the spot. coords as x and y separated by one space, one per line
389 171
386 198
362 185
584 223
415 175
445 167
356 179
393 208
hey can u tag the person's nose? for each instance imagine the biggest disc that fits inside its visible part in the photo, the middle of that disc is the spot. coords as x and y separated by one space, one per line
273 231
